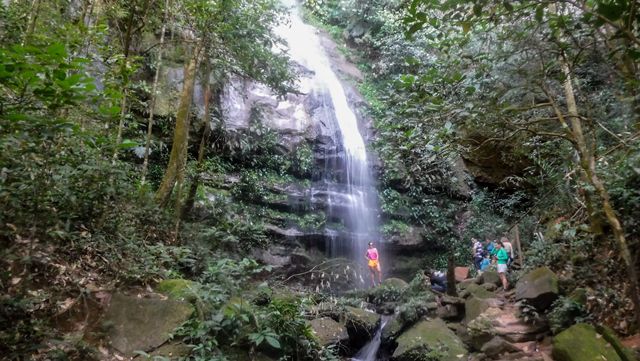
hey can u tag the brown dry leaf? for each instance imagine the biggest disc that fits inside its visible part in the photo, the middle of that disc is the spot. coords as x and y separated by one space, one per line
16 280
66 304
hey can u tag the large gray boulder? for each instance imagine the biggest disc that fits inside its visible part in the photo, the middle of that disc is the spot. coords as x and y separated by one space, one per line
539 288
143 323
429 339
328 331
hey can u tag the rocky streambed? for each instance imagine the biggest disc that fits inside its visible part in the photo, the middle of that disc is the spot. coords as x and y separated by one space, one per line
478 324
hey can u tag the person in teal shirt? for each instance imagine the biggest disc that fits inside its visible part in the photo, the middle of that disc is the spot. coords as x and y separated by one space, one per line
503 258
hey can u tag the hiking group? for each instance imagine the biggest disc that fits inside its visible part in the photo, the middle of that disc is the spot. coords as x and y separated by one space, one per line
498 253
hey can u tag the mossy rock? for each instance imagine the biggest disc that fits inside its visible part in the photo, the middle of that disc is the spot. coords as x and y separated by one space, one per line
328 331
361 325
326 309
178 289
477 291
431 339
538 287
579 296
143 323
391 331
396 283
473 307
581 342
491 277
608 334
171 351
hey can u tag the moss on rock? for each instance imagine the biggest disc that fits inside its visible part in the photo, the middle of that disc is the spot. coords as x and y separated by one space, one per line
429 339
328 331
538 287
179 289
361 325
581 342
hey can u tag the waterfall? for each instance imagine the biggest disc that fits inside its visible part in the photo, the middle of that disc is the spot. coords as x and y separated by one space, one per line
345 180
370 350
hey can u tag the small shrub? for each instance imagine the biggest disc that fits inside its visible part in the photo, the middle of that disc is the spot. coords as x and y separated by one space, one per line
566 312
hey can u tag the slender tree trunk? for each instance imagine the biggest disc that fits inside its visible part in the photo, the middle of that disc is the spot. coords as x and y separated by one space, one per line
32 20
588 165
126 45
152 101
178 158
188 205
451 276
123 114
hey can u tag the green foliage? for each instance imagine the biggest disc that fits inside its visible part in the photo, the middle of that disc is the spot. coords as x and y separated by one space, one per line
303 161
47 78
566 312
227 321
395 227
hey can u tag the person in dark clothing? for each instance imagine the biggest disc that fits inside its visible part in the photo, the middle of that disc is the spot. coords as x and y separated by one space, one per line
438 281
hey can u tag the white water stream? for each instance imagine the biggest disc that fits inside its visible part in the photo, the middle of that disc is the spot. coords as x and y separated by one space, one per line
349 186
370 350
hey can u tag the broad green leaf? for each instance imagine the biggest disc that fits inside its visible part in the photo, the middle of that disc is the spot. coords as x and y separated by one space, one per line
273 342
128 143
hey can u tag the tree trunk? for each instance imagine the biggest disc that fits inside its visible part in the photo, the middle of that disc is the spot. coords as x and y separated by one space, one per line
178 157
152 100
588 165
32 20
123 114
451 276
188 205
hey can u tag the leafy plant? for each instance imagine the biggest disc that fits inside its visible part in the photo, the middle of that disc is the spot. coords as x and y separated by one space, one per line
566 312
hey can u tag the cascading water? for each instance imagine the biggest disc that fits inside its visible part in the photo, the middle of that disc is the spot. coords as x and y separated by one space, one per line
370 350
345 182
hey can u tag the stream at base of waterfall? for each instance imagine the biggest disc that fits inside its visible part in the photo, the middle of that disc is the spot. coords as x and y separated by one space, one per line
370 350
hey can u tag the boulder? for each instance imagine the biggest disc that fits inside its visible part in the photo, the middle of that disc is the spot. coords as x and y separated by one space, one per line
429 339
490 277
396 283
143 323
489 287
448 312
328 331
391 331
461 273
477 291
498 346
581 342
504 323
171 351
464 284
326 309
474 306
539 288
361 325
179 289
